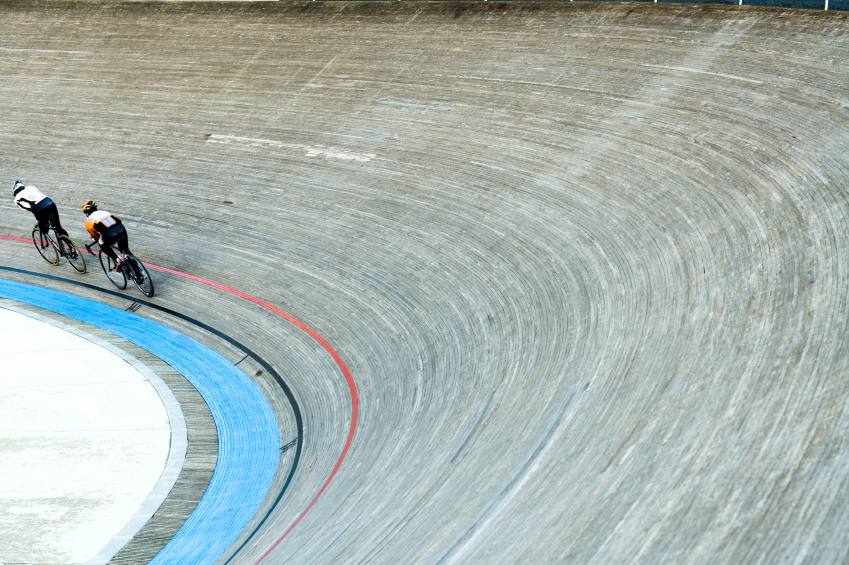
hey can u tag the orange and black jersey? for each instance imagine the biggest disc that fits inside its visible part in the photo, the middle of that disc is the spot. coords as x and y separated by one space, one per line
102 223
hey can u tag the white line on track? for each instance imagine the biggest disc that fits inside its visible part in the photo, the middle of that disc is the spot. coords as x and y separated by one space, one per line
689 70
311 150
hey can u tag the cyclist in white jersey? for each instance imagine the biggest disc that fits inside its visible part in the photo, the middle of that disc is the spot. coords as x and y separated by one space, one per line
44 210
107 230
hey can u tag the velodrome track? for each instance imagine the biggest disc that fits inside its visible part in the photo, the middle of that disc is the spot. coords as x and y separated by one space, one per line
586 263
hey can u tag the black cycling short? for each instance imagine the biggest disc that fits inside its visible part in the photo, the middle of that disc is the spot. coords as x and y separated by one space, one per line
46 213
115 235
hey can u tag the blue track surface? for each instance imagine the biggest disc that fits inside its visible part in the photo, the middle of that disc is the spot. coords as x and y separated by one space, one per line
248 440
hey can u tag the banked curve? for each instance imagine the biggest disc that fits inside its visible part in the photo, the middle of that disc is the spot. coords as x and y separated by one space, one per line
247 430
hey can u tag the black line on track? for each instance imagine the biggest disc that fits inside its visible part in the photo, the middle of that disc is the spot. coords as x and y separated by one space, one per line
294 403
289 446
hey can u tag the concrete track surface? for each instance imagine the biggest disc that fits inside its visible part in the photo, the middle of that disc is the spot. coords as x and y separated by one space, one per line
587 263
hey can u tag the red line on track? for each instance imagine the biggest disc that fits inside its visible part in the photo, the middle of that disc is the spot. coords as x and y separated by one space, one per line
352 387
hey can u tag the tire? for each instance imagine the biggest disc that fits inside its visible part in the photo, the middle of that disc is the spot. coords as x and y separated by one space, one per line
118 278
45 247
72 253
140 276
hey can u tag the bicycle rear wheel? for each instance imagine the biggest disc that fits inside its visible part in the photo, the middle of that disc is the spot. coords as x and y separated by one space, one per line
45 246
116 277
72 253
140 276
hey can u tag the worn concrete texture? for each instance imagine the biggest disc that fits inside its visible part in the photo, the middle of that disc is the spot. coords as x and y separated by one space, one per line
587 262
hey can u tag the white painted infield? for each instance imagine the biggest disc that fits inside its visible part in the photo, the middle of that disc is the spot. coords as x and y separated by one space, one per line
84 439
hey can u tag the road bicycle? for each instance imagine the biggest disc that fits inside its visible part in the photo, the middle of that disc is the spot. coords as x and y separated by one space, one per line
51 248
131 269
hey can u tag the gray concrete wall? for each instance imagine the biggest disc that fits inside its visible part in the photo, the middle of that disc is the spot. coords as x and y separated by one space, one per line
806 4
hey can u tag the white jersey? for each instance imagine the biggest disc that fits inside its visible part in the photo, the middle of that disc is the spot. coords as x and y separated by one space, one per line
29 197
103 217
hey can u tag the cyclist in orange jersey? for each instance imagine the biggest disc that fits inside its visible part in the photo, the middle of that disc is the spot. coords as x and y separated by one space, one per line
107 230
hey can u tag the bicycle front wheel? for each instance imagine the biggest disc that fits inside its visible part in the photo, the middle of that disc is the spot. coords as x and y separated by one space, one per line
140 276
72 253
116 277
45 246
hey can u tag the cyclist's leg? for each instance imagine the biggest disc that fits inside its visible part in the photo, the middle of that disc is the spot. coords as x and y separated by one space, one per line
115 235
53 211
42 216
123 241
106 247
